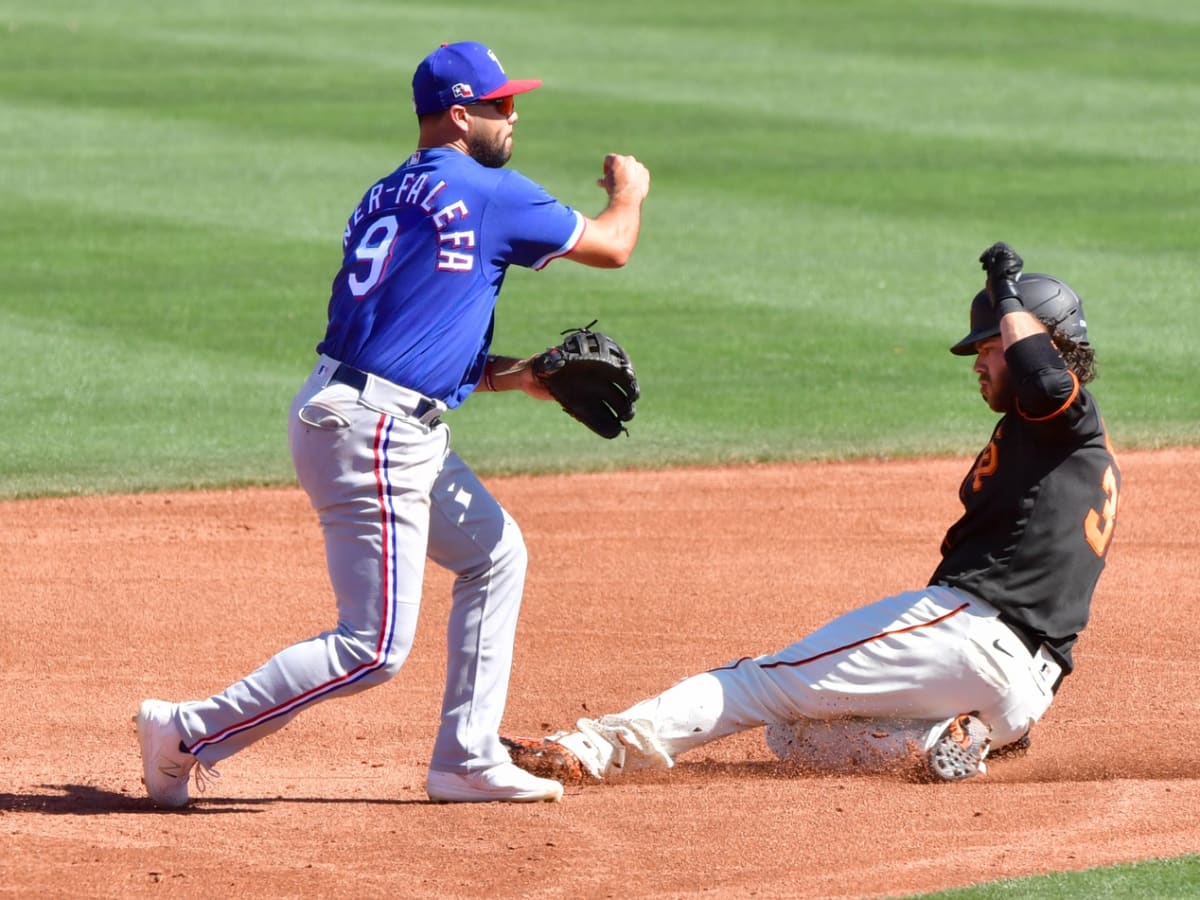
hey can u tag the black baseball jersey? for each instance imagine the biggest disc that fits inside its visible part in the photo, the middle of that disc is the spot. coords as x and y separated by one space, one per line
1040 505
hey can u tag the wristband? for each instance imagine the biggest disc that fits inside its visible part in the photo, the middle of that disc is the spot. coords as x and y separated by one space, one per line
1002 291
1006 305
488 365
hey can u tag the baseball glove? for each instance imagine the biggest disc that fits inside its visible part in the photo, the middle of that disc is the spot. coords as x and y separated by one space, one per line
546 759
592 378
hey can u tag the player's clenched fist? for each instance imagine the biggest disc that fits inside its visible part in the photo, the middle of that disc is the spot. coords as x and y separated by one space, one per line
1003 266
1001 260
625 175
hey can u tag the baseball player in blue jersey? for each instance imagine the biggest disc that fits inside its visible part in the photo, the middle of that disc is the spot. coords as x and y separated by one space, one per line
928 680
409 336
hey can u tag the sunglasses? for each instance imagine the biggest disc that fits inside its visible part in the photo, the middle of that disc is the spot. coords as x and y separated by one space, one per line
505 105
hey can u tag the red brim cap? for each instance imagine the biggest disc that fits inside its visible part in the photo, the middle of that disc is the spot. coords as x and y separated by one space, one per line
512 88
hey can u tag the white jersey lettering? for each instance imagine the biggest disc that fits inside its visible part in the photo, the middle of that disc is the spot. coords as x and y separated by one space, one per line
413 196
373 198
447 214
427 203
455 262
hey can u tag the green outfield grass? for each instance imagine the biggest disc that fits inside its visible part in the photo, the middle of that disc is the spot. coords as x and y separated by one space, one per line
176 178
1170 879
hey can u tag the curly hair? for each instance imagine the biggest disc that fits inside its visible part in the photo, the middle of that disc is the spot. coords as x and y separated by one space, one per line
1080 358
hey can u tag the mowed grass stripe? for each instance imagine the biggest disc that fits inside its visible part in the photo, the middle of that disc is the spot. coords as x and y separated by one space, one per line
881 71
91 419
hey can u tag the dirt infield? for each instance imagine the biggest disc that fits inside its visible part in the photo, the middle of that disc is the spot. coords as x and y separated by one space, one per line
108 600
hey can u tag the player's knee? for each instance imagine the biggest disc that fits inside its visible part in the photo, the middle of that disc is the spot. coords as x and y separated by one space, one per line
362 651
392 663
511 553
381 669
506 557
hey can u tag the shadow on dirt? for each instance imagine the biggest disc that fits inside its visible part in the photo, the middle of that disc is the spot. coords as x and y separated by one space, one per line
85 800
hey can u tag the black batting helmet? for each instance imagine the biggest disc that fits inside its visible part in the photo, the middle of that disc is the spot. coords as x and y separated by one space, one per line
1051 300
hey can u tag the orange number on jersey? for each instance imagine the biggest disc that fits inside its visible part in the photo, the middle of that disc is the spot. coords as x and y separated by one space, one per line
988 462
1098 526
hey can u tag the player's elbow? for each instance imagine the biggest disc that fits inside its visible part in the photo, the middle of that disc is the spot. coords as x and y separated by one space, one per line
598 261
606 243
615 260
602 256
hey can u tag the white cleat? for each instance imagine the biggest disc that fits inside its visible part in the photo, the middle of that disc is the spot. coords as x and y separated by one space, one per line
165 767
504 783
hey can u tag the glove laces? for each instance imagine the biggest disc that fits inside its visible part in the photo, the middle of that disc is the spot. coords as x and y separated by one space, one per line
585 328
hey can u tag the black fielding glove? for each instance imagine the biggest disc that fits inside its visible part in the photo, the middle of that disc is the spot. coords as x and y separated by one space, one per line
592 378
1003 266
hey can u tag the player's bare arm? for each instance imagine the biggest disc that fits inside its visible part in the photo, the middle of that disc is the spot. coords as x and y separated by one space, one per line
1018 325
609 238
512 373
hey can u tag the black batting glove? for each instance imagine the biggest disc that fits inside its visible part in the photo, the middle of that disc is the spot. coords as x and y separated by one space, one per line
1003 266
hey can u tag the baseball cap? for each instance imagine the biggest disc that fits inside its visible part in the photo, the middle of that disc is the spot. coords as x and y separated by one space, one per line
462 73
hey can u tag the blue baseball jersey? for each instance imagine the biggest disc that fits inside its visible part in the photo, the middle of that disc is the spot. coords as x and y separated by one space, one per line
424 256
